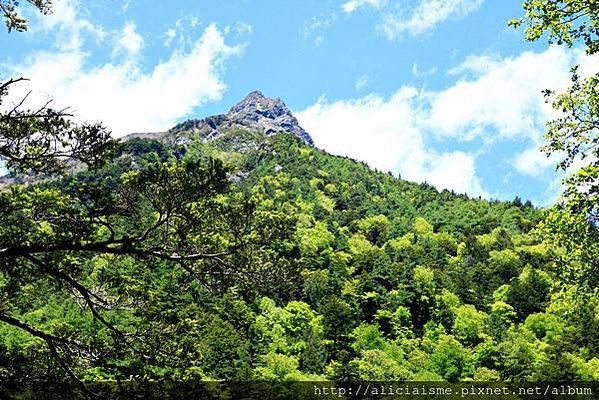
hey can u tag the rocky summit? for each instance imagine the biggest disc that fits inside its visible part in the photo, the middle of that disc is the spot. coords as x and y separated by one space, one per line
256 112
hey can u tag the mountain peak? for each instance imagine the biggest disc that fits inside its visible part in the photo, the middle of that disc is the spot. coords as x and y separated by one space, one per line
255 95
256 102
270 116
256 112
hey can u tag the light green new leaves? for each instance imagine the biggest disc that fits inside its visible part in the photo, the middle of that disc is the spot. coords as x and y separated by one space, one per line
566 21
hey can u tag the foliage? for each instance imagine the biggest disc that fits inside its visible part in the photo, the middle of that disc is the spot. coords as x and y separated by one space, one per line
13 18
260 258
44 140
182 274
576 134
573 223
566 22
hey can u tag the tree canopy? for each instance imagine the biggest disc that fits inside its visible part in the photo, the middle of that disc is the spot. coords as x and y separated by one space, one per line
566 22
573 136
253 257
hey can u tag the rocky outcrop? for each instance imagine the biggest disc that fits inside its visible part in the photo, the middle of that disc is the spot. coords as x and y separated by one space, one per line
255 112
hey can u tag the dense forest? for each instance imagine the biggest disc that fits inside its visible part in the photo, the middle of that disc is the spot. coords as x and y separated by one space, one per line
322 269
250 257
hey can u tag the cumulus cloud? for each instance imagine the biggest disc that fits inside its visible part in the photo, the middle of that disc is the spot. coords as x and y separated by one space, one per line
68 26
122 95
353 5
414 131
371 128
454 170
533 162
387 134
504 94
427 15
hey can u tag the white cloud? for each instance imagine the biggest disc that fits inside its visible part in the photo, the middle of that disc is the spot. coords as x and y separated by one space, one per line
129 41
68 26
457 171
178 30
533 162
170 34
387 134
120 94
371 128
494 99
503 95
427 15
240 28
353 5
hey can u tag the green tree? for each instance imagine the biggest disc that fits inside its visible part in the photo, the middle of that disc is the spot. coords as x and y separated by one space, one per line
469 324
450 360
445 307
529 293
565 21
367 337
377 365
44 140
521 355
277 367
13 18
501 318
424 291
375 229
546 327
573 223
339 319
58 239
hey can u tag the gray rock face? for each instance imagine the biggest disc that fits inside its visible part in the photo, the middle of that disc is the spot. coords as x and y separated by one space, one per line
256 112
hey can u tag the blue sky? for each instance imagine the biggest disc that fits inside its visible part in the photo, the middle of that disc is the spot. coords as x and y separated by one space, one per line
434 90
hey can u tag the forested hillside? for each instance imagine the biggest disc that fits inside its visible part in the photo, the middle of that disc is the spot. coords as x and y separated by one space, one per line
298 265
230 249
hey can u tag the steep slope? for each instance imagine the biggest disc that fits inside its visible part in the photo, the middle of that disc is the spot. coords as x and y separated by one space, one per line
378 270
259 137
255 112
356 274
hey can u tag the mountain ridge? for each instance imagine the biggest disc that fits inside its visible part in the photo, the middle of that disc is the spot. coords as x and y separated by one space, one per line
256 112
